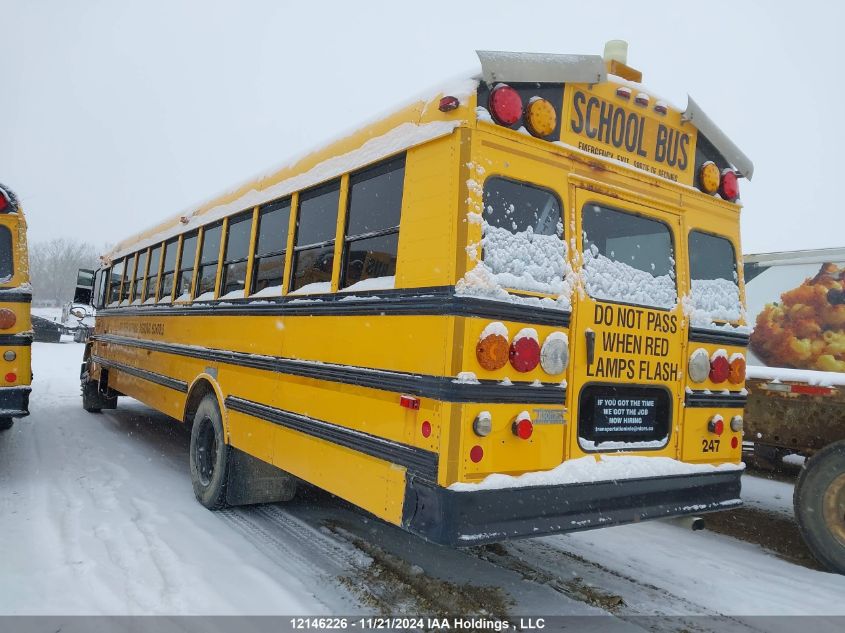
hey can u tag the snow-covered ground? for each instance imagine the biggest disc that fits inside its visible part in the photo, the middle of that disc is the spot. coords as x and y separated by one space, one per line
97 516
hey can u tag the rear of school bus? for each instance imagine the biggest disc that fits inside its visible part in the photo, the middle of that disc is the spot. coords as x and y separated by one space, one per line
603 365
15 299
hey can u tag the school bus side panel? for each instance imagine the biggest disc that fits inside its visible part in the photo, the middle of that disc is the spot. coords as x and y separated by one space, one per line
427 231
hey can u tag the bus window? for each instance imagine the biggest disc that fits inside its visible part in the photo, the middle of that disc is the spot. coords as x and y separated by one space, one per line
209 258
7 268
372 225
127 277
151 287
100 288
185 278
236 254
268 266
628 258
115 278
522 242
714 292
140 272
165 287
315 232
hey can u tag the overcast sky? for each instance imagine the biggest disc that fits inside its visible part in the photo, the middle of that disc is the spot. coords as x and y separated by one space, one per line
115 115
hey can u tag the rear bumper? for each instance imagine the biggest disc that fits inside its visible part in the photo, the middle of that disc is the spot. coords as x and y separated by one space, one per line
461 519
14 402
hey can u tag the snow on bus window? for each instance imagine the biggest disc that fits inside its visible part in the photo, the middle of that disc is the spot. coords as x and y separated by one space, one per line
628 258
714 291
522 245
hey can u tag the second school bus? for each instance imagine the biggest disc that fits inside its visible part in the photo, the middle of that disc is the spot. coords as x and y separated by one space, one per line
15 323
510 309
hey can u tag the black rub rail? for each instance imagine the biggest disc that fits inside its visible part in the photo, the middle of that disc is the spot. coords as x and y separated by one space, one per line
442 388
417 461
432 301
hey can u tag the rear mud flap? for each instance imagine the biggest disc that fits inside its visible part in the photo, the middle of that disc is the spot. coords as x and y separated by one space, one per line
252 481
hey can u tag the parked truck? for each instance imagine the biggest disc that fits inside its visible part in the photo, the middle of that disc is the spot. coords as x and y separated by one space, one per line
796 384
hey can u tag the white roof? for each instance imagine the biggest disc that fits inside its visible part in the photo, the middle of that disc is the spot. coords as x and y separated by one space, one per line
788 258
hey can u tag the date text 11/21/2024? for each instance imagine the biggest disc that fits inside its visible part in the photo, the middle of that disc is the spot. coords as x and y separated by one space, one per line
386 623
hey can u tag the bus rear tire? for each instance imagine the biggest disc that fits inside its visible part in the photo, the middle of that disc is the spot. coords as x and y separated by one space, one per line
209 455
6 423
820 505
93 400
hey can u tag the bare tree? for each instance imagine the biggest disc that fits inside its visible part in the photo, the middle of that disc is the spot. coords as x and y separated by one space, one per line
53 265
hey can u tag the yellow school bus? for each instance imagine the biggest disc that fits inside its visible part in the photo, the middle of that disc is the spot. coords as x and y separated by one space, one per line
509 309
15 299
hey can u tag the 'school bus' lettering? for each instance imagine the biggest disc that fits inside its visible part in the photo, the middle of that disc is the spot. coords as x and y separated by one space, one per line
402 327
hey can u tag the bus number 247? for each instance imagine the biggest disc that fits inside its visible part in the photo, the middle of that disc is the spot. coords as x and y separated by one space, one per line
710 446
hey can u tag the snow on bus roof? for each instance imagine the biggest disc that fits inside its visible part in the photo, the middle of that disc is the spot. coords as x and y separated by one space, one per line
255 192
272 185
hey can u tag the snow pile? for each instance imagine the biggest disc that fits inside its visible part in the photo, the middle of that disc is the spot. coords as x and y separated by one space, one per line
318 287
526 332
497 328
713 300
373 283
480 282
808 376
466 378
607 279
525 260
589 445
520 261
269 291
591 469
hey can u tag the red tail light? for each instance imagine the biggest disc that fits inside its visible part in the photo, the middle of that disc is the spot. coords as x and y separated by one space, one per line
505 105
476 454
716 425
7 200
523 427
449 103
719 366
11 377
525 350
729 185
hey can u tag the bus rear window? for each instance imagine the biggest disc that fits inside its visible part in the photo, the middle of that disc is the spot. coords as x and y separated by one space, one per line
628 258
522 241
6 266
714 292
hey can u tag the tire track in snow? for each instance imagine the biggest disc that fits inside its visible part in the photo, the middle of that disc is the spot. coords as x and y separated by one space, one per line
164 559
341 552
133 548
299 549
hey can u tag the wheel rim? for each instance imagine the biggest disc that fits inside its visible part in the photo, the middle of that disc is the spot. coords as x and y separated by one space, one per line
205 451
833 505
